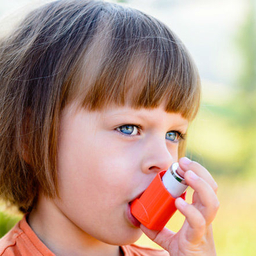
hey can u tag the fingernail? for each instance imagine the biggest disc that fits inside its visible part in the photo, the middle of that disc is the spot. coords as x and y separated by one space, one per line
180 172
192 175
185 161
181 202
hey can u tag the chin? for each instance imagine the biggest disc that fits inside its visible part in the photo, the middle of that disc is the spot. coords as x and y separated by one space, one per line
124 237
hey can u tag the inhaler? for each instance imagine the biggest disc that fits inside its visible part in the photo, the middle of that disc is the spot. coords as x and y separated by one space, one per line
156 205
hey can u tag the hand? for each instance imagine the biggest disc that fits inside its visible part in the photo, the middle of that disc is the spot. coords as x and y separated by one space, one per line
195 236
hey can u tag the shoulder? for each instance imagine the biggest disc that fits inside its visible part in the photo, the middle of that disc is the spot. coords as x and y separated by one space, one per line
22 241
8 242
135 250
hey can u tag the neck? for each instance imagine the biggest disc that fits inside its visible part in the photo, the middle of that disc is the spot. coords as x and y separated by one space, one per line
62 236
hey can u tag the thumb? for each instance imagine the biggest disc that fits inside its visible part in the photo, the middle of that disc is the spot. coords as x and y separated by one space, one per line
163 237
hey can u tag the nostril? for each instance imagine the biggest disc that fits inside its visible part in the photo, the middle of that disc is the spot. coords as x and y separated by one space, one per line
154 168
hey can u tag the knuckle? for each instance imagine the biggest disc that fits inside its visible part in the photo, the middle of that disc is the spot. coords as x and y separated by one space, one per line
202 223
217 205
215 187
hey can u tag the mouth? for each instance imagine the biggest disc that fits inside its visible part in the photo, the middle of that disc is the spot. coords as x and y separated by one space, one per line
131 218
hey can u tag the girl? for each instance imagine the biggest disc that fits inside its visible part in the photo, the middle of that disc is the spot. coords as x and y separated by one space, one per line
95 101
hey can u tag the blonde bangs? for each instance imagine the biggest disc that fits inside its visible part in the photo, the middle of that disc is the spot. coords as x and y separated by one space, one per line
141 68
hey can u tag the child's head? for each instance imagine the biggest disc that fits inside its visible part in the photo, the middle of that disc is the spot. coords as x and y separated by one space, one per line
95 54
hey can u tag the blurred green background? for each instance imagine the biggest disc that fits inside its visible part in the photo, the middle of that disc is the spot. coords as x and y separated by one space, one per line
221 36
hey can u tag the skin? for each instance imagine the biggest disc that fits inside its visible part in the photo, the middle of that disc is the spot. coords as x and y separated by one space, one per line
106 159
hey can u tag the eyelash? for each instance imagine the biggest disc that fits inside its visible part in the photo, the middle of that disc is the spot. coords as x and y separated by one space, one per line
138 127
181 136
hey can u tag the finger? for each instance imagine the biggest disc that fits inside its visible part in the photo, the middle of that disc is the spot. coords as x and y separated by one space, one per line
163 238
186 165
196 227
208 202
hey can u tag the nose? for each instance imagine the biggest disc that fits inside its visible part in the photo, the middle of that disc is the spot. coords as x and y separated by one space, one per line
157 157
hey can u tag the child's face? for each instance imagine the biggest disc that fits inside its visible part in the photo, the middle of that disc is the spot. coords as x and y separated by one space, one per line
106 159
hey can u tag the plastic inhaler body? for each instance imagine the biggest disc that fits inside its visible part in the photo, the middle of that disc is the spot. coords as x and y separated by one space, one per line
157 204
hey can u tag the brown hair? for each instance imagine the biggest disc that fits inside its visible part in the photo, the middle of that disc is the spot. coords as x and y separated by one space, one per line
96 53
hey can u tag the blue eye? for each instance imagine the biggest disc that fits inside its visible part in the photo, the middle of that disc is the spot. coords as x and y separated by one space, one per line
128 129
173 136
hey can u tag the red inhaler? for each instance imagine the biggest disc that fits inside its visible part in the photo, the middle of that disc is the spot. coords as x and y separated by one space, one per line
156 205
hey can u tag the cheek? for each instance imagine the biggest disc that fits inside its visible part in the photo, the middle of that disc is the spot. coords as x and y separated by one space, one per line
173 148
97 166
97 171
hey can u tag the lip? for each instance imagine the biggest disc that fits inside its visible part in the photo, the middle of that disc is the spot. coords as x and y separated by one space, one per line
131 218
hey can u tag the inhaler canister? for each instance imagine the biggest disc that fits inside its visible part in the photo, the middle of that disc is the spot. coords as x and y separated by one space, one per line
156 205
173 182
